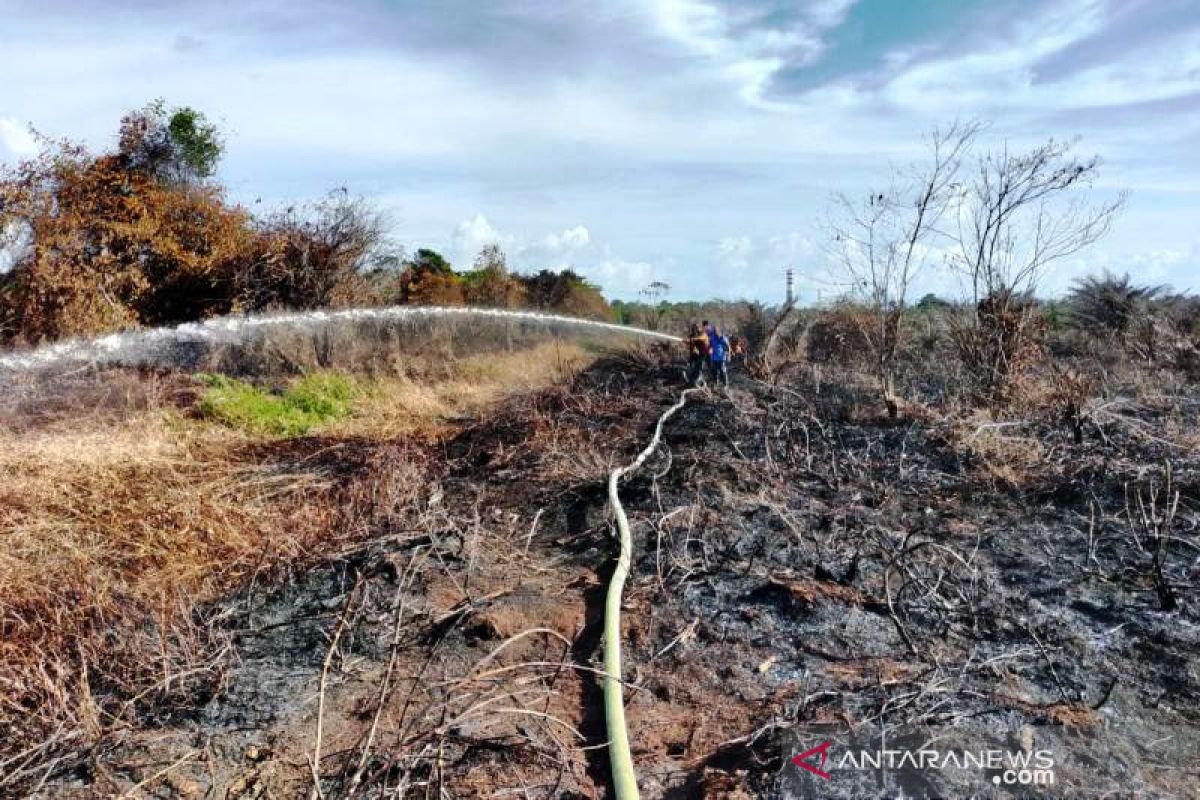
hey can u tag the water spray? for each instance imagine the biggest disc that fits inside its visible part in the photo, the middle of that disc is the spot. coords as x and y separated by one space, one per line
158 346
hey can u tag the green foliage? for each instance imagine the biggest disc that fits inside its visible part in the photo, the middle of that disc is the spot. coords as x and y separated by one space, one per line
198 141
311 401
177 144
431 261
472 279
489 284
622 312
325 395
931 302
566 292
1055 316
1110 305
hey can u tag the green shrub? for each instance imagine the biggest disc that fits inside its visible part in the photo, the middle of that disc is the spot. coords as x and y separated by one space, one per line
325 395
311 401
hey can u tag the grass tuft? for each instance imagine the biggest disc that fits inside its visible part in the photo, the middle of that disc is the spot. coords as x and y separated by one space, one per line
311 401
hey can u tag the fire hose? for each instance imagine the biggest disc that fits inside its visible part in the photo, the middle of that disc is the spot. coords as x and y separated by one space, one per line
623 777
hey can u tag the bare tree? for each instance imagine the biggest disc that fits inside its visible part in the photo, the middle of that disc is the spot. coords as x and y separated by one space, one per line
655 310
881 242
491 258
491 284
1017 216
315 256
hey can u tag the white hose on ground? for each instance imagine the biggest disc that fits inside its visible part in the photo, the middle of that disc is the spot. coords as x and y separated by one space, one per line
623 777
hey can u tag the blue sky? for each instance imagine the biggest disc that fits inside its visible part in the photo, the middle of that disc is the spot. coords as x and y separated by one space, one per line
691 141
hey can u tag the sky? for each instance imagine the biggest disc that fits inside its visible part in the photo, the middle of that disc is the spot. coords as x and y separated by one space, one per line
694 142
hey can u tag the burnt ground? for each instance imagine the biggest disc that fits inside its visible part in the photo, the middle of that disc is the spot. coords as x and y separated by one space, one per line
804 570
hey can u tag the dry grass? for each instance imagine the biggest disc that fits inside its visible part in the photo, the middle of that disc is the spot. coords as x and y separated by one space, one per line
400 406
1075 716
110 538
1002 452
113 532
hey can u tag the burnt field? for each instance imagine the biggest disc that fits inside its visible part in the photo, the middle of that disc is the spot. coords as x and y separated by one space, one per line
804 567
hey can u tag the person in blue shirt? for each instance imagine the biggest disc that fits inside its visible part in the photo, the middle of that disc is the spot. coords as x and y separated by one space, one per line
718 354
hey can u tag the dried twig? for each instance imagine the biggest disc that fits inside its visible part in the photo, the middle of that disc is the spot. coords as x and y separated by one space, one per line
315 760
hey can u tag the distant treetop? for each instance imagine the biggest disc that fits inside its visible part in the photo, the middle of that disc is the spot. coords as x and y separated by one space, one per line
177 144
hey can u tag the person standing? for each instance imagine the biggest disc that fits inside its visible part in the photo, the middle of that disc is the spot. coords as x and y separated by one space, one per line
697 344
718 354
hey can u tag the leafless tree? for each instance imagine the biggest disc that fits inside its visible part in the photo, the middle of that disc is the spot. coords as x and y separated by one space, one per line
881 242
315 256
654 311
1018 215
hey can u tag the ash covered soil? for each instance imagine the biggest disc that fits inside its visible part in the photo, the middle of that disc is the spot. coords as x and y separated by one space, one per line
804 569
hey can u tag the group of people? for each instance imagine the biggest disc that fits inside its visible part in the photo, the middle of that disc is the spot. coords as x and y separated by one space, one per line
707 345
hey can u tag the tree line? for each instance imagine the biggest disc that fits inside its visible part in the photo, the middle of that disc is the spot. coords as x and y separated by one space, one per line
141 234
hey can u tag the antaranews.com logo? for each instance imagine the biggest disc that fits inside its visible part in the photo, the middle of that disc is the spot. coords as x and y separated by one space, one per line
1007 767
1002 757
979 759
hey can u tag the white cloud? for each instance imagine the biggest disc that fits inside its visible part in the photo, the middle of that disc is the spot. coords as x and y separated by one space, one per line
745 54
794 249
570 248
1171 71
1178 266
791 249
828 13
17 138
757 267
472 235
1000 79
554 250
734 251
570 240
620 278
